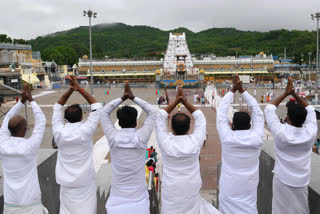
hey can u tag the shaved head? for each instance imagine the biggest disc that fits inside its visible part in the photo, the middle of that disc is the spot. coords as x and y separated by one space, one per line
180 124
17 126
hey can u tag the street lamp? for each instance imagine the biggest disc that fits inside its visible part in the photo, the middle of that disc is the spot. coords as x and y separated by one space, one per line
317 17
310 54
90 14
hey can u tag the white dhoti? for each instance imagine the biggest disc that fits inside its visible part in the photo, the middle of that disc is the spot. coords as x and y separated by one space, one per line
120 205
186 205
287 199
239 204
35 207
78 200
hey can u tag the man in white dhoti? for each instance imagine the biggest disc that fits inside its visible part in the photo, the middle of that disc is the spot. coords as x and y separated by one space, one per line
21 187
128 146
181 180
293 147
241 146
75 170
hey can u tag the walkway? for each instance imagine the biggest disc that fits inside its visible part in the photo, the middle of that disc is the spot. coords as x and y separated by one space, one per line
210 152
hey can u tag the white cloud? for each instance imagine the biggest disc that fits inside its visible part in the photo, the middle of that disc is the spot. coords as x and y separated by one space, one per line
28 19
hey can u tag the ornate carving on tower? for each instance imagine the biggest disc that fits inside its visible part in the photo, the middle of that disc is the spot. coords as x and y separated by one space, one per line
177 58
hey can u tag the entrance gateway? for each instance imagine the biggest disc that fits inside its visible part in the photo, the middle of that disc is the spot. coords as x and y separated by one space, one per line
178 66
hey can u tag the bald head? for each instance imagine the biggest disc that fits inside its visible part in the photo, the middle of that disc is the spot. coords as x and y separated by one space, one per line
17 126
180 124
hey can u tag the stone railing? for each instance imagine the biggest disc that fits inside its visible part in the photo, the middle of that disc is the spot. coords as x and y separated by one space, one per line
46 170
266 177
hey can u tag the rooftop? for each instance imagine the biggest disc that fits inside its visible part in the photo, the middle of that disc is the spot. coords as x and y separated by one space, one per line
11 46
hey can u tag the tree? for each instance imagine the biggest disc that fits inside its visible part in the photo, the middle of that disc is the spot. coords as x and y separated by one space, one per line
19 41
4 38
120 40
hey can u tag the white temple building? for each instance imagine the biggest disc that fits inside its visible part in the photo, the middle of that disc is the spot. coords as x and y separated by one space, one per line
177 57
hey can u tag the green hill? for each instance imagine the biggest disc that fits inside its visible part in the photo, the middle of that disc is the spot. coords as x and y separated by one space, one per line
120 40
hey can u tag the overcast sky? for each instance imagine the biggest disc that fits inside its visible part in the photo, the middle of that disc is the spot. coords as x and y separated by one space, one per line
28 19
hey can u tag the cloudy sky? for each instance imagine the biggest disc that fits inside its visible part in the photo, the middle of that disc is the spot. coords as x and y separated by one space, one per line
28 19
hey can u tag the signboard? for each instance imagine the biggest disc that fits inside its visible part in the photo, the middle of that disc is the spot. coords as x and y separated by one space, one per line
244 78
15 47
14 80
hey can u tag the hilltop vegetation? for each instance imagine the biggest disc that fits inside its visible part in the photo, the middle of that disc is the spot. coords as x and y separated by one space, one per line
120 40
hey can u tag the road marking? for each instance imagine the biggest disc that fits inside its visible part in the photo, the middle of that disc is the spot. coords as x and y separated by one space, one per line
42 93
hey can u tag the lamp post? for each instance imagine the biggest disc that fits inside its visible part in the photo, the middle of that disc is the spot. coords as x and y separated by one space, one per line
309 53
90 14
317 17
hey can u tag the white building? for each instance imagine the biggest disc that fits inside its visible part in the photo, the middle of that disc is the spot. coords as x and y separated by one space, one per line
177 57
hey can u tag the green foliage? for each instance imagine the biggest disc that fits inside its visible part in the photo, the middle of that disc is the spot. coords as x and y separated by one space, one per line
120 40
19 41
61 55
5 39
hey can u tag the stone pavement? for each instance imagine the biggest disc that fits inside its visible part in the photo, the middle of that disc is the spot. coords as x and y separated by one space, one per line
211 152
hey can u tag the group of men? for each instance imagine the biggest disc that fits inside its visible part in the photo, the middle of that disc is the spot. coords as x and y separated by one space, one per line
241 146
180 149
75 170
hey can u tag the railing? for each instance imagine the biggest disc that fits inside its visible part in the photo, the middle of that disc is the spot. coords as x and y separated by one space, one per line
239 70
150 182
64 85
219 164
122 72
135 85
107 85
153 197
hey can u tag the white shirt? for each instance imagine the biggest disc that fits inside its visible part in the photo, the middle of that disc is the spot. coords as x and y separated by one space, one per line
293 147
19 159
75 167
128 150
240 149
180 157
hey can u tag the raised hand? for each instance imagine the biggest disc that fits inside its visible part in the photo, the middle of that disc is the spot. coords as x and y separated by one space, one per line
74 85
290 89
127 90
28 92
237 86
178 94
24 97
182 98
